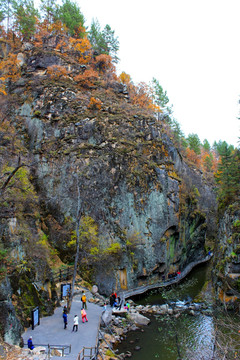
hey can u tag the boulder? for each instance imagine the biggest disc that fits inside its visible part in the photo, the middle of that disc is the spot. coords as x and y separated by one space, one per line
106 317
139 319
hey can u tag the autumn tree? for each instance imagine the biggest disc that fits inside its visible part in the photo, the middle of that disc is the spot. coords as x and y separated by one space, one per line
124 78
9 72
83 47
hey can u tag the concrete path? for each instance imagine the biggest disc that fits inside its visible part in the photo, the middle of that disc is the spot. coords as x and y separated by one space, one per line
51 329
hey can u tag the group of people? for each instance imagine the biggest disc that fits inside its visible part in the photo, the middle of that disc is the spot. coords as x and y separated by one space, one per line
76 318
117 302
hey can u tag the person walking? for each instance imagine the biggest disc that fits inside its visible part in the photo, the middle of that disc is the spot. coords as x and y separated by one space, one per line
75 323
84 301
30 343
65 320
84 315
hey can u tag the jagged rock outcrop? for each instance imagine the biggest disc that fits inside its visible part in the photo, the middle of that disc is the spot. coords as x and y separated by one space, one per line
227 258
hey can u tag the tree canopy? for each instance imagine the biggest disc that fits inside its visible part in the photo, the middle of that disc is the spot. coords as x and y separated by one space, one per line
70 15
104 41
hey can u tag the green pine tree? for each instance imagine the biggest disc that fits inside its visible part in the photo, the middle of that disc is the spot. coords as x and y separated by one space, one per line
70 15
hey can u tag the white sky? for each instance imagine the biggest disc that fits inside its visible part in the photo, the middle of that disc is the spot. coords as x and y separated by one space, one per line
191 47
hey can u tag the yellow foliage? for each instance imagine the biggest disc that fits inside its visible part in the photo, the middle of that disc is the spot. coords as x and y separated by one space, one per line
83 46
124 78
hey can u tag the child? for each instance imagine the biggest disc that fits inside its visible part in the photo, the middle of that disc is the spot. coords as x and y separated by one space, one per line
84 315
75 323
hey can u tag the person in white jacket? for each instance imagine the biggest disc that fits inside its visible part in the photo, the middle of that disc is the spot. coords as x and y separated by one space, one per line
75 323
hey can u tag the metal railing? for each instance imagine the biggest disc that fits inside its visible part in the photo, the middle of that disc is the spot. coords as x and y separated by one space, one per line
91 352
142 289
87 353
62 349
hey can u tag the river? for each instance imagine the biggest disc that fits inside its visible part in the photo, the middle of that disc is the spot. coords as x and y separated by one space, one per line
170 338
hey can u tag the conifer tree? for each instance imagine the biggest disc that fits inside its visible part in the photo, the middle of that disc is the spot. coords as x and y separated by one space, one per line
49 9
6 11
206 145
25 18
228 174
70 15
194 143
160 96
104 42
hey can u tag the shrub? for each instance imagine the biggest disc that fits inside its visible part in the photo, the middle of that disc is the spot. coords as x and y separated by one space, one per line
87 79
57 71
94 104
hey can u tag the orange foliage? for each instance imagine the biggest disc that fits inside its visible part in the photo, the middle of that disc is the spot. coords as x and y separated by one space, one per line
87 79
83 46
58 28
103 63
57 71
141 96
42 30
9 70
193 157
94 104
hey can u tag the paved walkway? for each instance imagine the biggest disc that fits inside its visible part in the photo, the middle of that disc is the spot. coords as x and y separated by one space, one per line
142 289
51 329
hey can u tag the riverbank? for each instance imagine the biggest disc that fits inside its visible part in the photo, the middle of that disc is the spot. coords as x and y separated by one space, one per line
137 319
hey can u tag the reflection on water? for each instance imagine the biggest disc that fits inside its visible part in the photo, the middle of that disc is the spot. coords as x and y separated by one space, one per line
171 338
187 337
187 289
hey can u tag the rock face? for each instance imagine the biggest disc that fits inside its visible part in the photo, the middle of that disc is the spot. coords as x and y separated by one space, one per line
227 258
115 161
120 164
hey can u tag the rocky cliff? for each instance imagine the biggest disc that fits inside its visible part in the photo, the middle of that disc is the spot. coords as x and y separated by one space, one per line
227 259
90 146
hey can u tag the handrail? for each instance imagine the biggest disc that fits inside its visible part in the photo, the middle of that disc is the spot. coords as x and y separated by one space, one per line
176 279
62 274
94 349
92 353
57 347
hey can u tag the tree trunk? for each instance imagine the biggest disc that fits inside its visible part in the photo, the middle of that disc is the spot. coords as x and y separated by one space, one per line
69 303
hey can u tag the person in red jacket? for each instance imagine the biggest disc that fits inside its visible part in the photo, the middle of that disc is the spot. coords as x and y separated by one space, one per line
84 315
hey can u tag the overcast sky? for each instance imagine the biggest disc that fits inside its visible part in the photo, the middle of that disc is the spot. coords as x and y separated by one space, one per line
191 47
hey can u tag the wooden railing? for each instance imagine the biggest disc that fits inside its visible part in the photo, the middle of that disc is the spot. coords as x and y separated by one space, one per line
63 274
